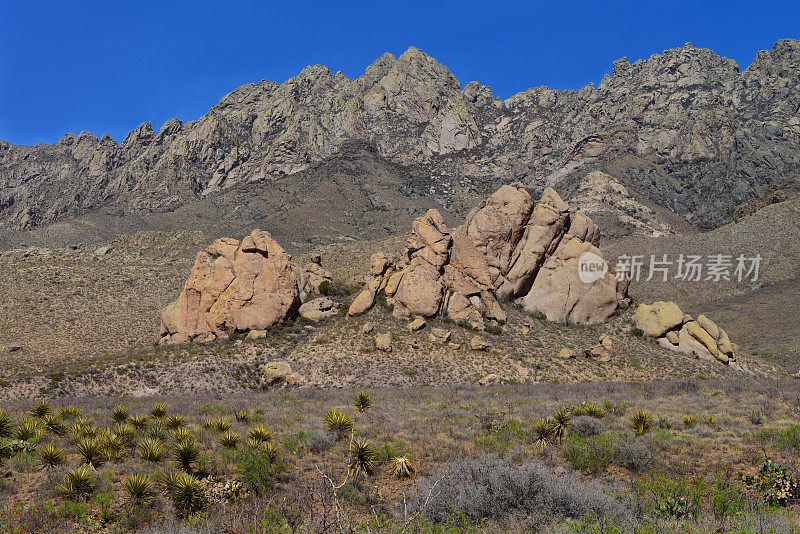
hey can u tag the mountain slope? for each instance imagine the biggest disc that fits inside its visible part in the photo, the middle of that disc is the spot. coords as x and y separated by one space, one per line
685 129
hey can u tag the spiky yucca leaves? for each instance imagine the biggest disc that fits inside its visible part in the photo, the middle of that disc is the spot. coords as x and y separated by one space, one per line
91 450
243 416
186 492
151 450
6 425
339 422
260 433
158 411
561 423
27 430
229 440
51 456
113 447
174 421
642 422
542 430
41 408
221 424
186 453
362 458
139 489
402 467
54 424
689 421
157 431
182 434
587 408
69 412
81 428
77 483
124 432
208 423
120 414
139 422
362 401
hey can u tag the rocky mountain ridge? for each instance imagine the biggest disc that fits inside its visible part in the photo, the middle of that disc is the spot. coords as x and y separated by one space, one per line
685 129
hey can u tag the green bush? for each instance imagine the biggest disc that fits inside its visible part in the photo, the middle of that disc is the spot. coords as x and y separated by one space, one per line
678 497
591 454
774 483
256 468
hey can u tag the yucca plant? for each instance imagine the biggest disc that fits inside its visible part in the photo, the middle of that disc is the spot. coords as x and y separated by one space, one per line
587 408
243 416
41 408
229 440
69 412
27 429
641 422
81 428
6 425
362 401
158 411
120 414
139 489
77 483
207 423
362 458
339 422
542 430
186 453
124 432
51 456
560 423
91 451
221 424
260 433
139 422
689 421
182 434
54 424
174 421
157 431
402 467
187 494
113 448
755 417
151 450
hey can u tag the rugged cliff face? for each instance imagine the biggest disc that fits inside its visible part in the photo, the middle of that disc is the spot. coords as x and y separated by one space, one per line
684 129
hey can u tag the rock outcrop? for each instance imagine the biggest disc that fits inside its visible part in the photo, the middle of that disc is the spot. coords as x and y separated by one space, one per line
674 330
239 286
509 248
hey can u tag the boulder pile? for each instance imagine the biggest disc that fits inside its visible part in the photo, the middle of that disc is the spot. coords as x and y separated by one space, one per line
675 330
509 249
239 286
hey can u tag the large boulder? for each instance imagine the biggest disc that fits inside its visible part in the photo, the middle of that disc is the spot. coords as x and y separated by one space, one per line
318 309
656 319
234 287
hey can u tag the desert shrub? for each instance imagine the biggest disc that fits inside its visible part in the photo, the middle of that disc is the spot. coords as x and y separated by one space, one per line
402 467
616 408
77 483
388 451
362 401
139 488
586 425
642 422
229 440
664 423
186 453
756 417
635 454
678 497
776 484
591 454
151 450
41 408
256 469
6 425
590 409
321 442
362 458
636 331
120 414
91 451
338 422
51 456
113 447
493 328
494 488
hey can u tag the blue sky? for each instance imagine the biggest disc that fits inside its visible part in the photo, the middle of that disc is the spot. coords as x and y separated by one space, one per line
106 66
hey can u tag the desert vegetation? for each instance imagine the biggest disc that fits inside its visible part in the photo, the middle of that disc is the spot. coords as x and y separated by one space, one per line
688 456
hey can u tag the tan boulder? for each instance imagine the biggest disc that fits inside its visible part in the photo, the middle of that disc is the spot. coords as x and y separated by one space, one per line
725 346
417 324
709 326
383 342
393 282
318 309
379 263
690 345
567 354
367 328
490 380
234 287
420 291
599 354
362 303
672 337
657 319
276 371
439 335
313 277
256 334
611 343
478 343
